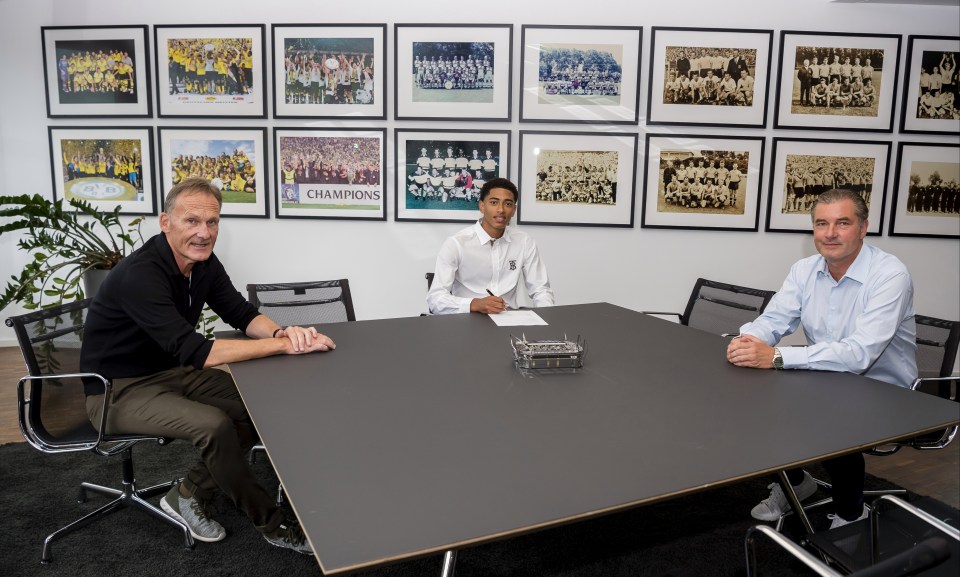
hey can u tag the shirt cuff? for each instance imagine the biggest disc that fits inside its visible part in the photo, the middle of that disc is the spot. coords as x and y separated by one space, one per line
794 357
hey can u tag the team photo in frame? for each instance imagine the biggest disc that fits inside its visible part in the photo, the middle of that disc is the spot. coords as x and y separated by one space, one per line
234 159
460 72
329 71
332 173
210 71
105 166
577 178
927 184
101 71
802 169
440 172
702 182
835 80
931 88
580 74
709 76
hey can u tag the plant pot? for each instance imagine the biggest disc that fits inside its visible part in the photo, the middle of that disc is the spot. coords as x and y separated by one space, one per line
92 279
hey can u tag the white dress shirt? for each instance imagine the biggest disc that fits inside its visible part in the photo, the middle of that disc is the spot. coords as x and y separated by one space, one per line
469 265
863 323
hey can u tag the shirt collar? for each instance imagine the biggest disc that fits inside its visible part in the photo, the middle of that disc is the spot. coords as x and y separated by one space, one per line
859 268
484 238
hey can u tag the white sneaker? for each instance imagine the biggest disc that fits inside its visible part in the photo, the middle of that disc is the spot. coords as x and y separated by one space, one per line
838 521
774 506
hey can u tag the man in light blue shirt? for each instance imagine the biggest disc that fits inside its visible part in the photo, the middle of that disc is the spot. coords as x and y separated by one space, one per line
855 303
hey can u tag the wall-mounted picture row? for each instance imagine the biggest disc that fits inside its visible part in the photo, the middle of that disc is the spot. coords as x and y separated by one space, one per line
464 72
696 182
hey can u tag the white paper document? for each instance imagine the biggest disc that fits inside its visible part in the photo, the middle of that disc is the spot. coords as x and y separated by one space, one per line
517 319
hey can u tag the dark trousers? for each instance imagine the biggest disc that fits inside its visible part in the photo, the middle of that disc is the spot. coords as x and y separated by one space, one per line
846 477
203 407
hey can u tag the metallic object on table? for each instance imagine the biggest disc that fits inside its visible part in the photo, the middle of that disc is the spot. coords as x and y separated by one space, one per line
548 354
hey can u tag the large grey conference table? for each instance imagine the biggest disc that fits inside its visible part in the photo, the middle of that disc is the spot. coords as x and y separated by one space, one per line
419 435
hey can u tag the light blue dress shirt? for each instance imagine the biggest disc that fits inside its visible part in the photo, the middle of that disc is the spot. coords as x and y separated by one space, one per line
863 323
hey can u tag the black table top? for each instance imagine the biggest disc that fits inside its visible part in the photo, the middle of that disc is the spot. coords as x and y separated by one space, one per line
418 435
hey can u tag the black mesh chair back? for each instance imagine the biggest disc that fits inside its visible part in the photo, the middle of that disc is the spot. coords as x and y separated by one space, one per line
721 308
937 343
53 418
53 414
304 303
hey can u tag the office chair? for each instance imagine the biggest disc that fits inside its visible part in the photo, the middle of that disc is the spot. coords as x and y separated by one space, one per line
52 412
301 304
304 303
721 308
905 541
429 277
938 341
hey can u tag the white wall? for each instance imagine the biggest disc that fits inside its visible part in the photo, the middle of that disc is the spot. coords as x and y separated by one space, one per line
385 261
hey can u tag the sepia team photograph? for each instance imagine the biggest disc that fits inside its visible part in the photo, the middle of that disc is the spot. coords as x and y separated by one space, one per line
938 95
837 81
934 189
806 176
709 76
577 177
703 181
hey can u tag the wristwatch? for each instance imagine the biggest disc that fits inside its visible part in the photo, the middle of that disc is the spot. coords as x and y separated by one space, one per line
777 360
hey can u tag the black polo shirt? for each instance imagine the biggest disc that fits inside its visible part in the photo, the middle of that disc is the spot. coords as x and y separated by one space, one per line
143 319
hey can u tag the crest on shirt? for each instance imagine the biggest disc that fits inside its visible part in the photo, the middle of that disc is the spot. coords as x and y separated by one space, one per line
513 265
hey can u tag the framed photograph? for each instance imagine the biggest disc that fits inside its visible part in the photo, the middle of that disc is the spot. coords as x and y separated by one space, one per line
702 182
931 90
927 198
212 70
580 74
577 178
96 71
802 169
105 166
235 159
453 72
831 80
334 173
329 71
440 172
709 76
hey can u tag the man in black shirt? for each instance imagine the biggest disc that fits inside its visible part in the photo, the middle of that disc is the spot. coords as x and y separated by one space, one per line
140 333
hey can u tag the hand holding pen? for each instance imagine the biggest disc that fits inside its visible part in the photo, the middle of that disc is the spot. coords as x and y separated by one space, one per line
489 305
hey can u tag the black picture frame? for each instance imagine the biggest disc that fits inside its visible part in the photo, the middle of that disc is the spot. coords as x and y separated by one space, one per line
714 107
117 88
449 199
920 51
367 98
230 150
238 89
876 50
333 197
710 165
107 166
939 215
612 95
604 202
788 210
439 96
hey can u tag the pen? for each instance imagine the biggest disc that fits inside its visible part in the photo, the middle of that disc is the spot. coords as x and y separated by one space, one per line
505 307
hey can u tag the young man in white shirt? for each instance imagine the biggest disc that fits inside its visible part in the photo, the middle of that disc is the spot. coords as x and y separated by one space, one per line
478 268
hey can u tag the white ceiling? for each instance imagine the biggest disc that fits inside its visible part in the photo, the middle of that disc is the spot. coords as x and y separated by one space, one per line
927 2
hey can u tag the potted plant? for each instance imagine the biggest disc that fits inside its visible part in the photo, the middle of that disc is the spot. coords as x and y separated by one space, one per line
66 244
